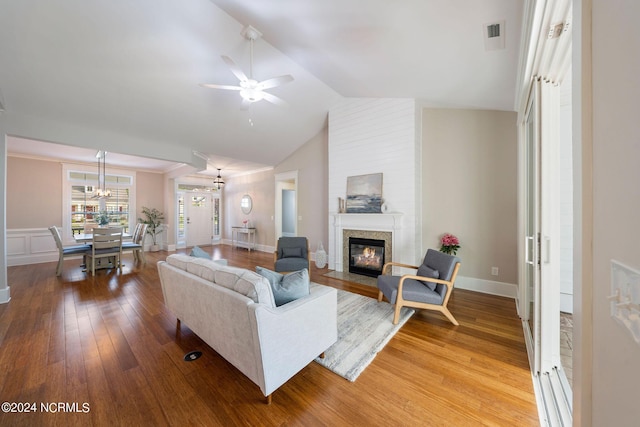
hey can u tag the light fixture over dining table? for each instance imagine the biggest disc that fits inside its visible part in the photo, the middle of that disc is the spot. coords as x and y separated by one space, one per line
101 192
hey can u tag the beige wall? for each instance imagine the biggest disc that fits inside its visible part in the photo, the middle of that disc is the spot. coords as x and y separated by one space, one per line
311 162
469 181
149 192
615 198
34 193
260 186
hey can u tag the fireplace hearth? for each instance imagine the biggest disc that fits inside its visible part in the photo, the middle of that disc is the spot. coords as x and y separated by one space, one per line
366 256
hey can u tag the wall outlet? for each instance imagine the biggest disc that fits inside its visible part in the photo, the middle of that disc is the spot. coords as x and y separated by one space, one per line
494 271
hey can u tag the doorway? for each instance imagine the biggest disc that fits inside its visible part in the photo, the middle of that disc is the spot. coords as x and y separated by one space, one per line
199 219
288 212
286 204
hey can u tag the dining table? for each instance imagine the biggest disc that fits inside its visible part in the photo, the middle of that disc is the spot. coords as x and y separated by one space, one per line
88 237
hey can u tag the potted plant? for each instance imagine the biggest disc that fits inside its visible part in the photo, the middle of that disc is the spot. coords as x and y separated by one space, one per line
449 244
102 218
153 218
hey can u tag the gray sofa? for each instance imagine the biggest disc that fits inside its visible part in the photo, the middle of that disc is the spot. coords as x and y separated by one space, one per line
234 312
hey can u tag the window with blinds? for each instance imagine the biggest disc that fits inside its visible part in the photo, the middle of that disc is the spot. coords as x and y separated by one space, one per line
85 205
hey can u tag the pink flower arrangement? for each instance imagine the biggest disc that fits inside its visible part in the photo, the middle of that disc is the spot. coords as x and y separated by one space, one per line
449 244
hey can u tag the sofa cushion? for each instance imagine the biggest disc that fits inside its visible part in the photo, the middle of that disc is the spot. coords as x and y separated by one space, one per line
179 261
204 268
245 282
424 271
286 287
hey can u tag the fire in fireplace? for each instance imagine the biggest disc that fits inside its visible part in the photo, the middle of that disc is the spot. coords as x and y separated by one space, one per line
366 256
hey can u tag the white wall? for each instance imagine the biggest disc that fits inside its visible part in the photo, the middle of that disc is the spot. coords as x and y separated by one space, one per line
378 136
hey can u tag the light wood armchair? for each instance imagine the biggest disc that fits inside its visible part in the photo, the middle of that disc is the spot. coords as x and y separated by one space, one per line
430 288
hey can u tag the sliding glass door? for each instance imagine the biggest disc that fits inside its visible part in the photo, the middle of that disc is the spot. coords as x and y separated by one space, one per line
531 309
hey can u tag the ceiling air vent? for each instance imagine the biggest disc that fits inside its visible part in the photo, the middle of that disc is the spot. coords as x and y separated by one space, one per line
493 35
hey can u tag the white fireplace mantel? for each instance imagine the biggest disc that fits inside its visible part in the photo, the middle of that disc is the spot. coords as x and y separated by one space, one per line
391 222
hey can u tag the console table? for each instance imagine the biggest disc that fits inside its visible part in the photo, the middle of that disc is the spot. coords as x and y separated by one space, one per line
249 241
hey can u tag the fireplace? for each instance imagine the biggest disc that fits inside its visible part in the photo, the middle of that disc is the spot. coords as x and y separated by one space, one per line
366 256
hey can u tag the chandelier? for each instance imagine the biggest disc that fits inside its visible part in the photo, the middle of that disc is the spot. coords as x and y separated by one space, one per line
218 182
101 192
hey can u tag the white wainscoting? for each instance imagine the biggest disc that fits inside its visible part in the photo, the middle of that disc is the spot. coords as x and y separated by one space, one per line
36 245
30 246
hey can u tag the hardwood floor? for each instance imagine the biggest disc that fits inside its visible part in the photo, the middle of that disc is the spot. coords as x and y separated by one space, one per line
107 348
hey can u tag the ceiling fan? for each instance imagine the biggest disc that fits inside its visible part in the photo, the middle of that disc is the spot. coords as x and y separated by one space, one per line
250 89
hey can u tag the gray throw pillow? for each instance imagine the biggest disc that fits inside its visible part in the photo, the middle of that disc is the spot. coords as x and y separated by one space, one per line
272 276
199 253
425 271
288 287
291 252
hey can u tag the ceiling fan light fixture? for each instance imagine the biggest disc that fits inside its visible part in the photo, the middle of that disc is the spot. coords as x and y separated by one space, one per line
252 95
251 90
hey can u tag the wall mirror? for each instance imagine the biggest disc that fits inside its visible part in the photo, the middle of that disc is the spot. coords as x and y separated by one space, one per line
246 204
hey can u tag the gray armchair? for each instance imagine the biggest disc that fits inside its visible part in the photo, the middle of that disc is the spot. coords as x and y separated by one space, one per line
430 288
292 254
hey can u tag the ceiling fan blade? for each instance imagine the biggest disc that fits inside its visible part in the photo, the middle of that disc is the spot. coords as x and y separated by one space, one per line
275 81
214 86
235 69
274 99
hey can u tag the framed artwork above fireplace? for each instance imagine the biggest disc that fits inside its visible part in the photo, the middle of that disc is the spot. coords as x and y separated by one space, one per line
364 193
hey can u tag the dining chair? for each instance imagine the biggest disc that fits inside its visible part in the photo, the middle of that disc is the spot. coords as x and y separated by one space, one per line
67 251
136 245
106 243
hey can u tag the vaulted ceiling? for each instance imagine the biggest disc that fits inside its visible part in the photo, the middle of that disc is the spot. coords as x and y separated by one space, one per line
134 67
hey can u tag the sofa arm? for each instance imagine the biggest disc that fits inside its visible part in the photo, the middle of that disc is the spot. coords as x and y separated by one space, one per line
289 337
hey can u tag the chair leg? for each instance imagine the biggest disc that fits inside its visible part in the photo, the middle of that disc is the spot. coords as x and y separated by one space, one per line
59 268
141 256
447 313
396 314
379 296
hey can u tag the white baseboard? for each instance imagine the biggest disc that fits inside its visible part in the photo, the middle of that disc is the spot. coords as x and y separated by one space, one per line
502 289
5 295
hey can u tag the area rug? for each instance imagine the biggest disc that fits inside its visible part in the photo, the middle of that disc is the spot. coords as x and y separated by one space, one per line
365 326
